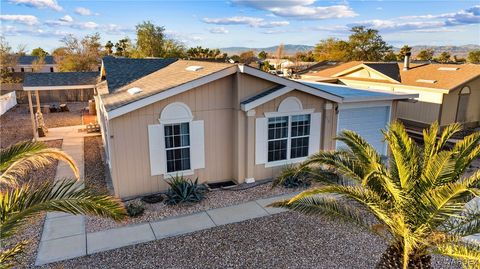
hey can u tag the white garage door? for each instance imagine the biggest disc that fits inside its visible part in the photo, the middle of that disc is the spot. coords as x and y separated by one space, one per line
366 121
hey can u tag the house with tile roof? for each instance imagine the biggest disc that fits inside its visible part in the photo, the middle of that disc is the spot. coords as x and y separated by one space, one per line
220 122
447 92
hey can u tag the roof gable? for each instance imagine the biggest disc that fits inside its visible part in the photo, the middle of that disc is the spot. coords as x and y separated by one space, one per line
380 71
122 71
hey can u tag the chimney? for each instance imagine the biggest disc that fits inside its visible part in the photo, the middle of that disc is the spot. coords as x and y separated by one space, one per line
406 63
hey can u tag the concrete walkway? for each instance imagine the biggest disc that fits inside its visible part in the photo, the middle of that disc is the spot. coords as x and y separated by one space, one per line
64 233
65 237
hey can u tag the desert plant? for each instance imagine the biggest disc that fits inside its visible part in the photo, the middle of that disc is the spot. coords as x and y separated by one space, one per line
418 202
183 190
20 202
135 208
291 178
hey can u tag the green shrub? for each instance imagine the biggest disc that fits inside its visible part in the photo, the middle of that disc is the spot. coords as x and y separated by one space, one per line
135 208
184 190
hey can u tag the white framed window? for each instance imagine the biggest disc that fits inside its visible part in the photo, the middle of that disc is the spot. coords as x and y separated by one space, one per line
288 137
177 144
177 147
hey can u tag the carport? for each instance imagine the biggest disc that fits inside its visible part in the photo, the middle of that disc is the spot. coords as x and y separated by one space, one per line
61 81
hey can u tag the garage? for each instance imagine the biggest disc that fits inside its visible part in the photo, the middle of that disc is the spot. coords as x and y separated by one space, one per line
367 122
365 112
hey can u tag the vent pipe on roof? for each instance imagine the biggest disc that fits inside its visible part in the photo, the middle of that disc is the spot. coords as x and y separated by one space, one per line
406 63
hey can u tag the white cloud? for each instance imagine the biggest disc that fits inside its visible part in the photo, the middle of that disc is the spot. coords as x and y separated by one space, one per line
51 4
83 11
218 30
66 18
300 9
424 23
9 30
90 25
245 20
23 19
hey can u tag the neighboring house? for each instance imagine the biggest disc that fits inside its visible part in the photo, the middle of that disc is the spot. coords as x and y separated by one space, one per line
26 64
287 64
220 121
447 92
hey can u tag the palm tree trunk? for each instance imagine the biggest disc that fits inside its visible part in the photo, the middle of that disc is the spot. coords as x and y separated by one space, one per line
393 259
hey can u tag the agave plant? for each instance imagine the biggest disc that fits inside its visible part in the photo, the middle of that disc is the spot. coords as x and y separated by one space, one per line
417 199
183 190
18 202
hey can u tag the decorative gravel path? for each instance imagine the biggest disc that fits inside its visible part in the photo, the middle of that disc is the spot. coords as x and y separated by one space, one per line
285 240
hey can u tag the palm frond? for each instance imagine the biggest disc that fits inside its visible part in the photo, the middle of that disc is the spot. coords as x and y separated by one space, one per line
468 223
467 252
39 157
331 207
405 154
68 196
429 140
447 133
339 161
17 151
466 150
7 256
364 197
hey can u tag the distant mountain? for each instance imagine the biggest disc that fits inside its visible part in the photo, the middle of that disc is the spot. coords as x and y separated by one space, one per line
460 51
289 49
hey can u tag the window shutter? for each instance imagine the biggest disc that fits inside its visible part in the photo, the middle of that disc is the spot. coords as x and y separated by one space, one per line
197 144
314 141
156 143
261 140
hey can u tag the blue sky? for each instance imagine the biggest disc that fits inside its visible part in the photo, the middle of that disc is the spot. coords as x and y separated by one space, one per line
248 23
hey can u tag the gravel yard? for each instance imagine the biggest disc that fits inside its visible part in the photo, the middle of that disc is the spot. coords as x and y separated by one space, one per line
286 240
214 199
94 166
15 124
32 230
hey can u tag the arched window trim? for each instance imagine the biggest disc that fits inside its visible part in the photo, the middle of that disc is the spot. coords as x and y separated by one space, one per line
175 113
289 106
465 88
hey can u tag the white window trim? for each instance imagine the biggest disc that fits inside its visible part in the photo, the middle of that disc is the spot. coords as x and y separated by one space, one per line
164 120
289 137
182 172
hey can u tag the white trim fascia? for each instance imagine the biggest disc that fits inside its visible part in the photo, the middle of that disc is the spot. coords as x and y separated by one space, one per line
290 113
381 98
364 104
52 88
171 92
266 98
418 88
289 83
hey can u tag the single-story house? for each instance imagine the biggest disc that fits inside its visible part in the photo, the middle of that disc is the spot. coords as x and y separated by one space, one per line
221 121
447 92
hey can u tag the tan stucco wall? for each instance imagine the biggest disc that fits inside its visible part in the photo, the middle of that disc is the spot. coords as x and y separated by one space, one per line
450 104
130 149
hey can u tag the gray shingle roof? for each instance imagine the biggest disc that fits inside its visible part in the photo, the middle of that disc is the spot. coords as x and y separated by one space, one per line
60 79
391 70
262 94
28 59
122 71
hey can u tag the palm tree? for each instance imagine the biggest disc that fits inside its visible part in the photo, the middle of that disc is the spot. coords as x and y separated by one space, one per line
18 202
417 199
